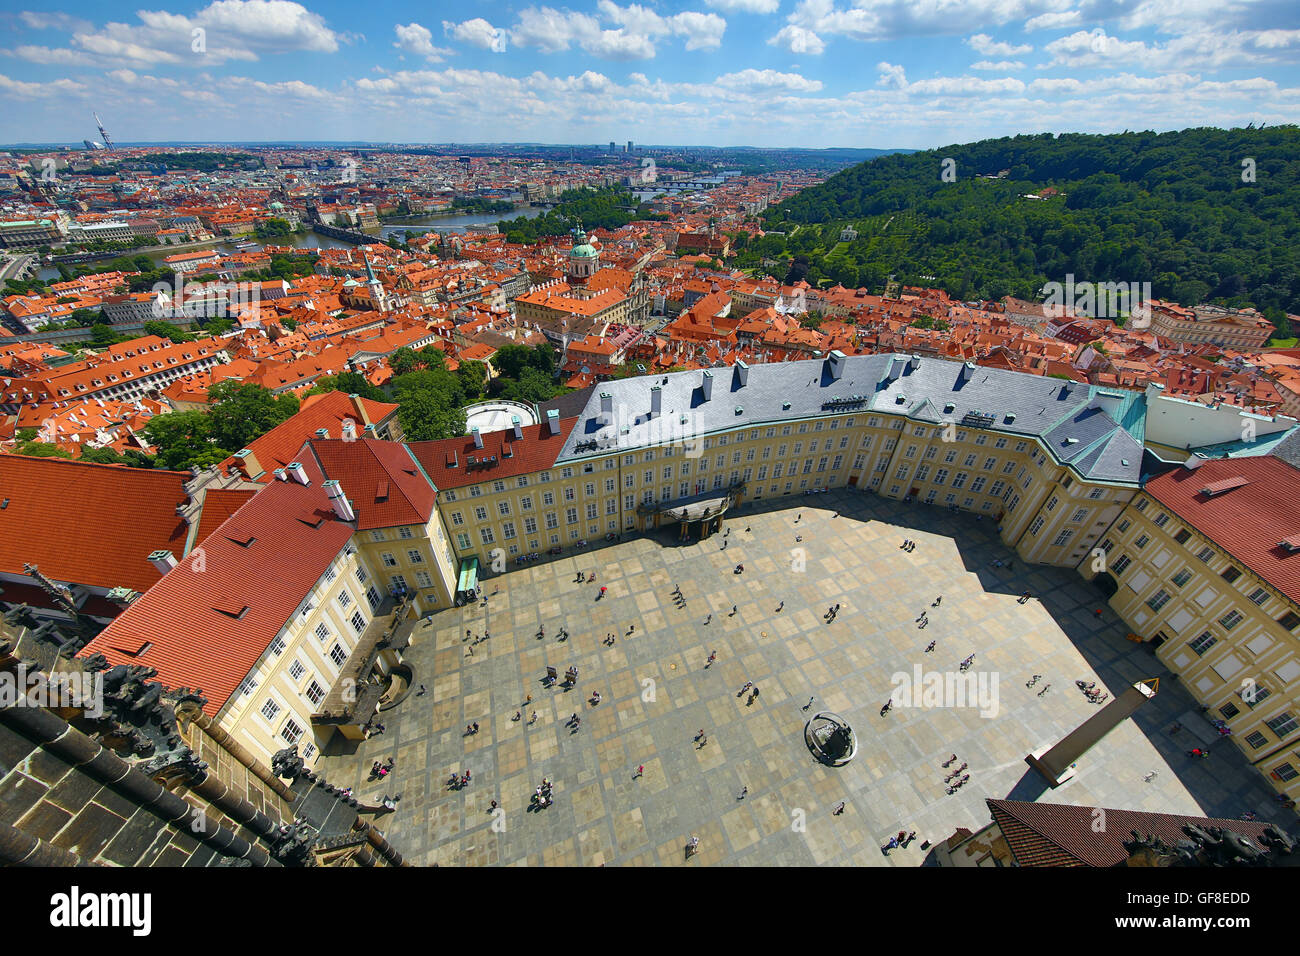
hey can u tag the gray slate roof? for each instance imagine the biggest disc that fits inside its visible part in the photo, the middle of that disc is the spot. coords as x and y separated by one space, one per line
926 389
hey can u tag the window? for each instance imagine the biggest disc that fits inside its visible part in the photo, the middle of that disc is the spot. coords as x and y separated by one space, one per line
338 655
296 670
1282 724
1162 519
488 535
423 580
407 533
1231 619
508 530
358 623
462 542
1181 578
270 710
1141 504
457 519
377 535
480 513
1142 541
344 599
277 646
1158 600
1231 573
1285 772
247 686
503 508
397 583
1122 562
389 560
1289 621
1036 527
415 557
1063 538
1203 643
315 693
290 732
1182 536
1258 596
1079 516
322 633
1205 554
1256 740
1229 711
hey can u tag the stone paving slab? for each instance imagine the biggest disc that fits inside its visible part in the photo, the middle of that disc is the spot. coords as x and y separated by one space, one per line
657 693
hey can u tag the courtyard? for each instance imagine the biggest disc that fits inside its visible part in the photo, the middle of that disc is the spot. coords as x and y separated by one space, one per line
657 694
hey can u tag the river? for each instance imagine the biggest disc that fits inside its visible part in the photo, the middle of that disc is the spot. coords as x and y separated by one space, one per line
310 240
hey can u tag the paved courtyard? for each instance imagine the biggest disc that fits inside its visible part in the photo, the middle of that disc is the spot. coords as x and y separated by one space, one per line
657 694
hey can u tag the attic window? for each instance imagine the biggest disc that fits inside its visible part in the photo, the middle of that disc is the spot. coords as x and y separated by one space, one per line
740 409
381 493
900 399
231 608
1291 544
1010 417
785 406
312 519
949 407
240 537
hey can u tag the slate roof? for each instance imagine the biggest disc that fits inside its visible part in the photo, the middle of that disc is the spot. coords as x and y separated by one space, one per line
928 389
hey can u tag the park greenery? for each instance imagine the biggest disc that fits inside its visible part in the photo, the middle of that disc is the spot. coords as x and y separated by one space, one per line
606 208
239 413
1201 214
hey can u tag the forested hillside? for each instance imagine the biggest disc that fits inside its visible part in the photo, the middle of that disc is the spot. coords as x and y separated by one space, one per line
1172 209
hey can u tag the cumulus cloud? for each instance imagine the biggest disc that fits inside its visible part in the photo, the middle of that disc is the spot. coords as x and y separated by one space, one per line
632 36
759 7
418 41
998 66
984 44
1054 21
797 40
891 76
477 32
224 30
768 80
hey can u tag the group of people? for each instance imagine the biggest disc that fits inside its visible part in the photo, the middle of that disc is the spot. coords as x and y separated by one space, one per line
898 842
459 781
380 770
956 779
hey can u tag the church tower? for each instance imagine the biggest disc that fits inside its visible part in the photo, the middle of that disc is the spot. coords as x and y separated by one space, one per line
583 262
377 293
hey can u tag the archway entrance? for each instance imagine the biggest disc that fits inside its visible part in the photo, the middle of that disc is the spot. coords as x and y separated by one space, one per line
697 517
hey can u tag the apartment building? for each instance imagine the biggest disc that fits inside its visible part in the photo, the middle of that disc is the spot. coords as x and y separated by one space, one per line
1244 329
1205 563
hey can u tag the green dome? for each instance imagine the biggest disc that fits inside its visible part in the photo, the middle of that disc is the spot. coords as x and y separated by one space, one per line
582 249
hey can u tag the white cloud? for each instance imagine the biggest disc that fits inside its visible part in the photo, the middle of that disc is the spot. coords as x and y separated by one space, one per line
632 38
752 79
477 32
797 40
872 20
985 45
63 22
224 30
1054 21
891 76
745 6
418 41
998 66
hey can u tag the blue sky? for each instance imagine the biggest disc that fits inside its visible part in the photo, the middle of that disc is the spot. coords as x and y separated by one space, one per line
877 73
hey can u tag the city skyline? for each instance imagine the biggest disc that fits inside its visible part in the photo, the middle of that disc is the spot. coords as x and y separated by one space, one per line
764 73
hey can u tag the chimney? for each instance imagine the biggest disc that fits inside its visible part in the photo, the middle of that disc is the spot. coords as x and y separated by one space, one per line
163 560
478 438
360 406
835 364
967 372
342 507
706 385
606 408
322 433
656 401
553 421
914 363
298 473
349 429
742 374
1109 402
281 474
249 464
519 428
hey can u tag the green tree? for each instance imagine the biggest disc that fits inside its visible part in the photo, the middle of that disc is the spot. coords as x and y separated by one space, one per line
473 379
185 439
167 330
350 383
242 411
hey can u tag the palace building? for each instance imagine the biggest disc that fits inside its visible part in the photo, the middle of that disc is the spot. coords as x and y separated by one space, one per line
297 577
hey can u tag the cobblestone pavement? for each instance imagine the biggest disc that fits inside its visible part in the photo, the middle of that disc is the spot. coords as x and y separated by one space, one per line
656 693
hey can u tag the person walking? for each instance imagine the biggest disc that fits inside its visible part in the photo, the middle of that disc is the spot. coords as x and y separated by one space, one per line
743 791
809 704
937 601
839 808
888 705
640 771
733 611
929 647
709 618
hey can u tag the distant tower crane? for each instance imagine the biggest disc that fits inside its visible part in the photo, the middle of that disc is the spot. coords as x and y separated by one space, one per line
108 143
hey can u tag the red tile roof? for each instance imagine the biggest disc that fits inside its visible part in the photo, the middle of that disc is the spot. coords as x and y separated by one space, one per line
218 505
282 443
266 557
1051 834
1247 520
446 461
380 478
88 524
